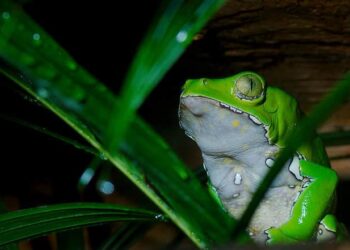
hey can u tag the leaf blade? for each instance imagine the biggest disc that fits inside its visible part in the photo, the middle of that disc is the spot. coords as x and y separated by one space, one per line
35 222
171 33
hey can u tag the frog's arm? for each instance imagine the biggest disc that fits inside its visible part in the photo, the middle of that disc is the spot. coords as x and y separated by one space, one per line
310 207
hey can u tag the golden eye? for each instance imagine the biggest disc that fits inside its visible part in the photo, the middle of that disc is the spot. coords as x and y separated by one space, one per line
249 87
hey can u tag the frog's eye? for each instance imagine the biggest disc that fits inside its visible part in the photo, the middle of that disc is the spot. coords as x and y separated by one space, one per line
249 87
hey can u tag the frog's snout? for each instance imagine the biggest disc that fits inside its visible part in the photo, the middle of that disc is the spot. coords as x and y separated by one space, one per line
202 82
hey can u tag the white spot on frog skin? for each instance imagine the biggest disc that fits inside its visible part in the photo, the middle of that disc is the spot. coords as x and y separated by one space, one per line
269 162
320 232
238 179
255 120
235 195
294 168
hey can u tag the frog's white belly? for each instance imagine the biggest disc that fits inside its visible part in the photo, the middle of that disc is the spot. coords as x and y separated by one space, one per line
237 155
235 184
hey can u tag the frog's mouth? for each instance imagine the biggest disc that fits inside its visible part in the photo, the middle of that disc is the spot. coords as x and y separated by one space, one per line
219 128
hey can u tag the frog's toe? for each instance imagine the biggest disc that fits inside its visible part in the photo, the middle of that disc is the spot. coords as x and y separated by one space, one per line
324 235
327 229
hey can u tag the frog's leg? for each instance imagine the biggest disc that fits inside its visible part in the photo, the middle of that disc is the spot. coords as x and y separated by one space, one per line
311 205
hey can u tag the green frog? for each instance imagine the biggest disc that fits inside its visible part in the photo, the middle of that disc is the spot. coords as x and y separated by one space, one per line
240 126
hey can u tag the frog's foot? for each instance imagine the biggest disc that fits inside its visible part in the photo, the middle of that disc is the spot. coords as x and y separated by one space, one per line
327 229
277 237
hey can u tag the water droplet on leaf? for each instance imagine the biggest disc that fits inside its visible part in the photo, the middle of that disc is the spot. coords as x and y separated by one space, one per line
181 36
36 39
159 217
43 93
103 156
36 36
5 15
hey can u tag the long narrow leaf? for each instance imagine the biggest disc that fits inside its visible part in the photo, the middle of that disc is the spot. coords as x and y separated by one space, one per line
46 71
169 35
34 222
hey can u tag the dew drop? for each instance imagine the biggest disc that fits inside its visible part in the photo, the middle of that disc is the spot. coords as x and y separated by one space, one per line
43 93
5 15
36 39
159 217
103 156
181 36
36 36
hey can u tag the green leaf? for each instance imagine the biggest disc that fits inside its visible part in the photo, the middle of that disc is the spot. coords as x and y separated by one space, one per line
12 246
34 222
46 71
304 131
168 37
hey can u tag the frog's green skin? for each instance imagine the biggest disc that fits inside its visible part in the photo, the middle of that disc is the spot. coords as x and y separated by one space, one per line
311 185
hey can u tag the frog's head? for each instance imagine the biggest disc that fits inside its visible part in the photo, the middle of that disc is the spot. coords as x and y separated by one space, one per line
234 113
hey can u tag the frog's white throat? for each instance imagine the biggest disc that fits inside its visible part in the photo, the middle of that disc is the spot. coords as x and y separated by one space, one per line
232 142
220 129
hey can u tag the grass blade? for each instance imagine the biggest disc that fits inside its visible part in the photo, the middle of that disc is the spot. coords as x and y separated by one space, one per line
34 222
303 132
169 35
